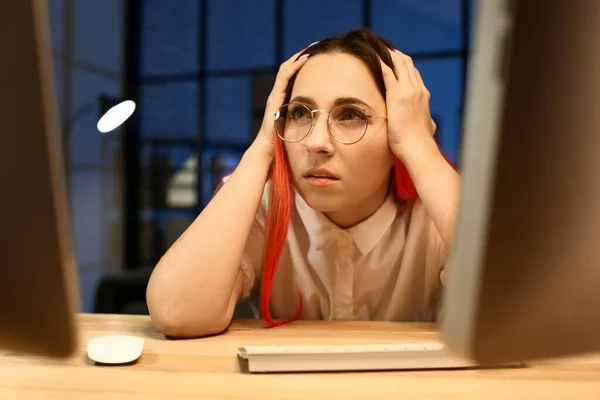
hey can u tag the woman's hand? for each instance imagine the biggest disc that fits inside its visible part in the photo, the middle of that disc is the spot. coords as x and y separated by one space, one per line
410 133
266 134
407 99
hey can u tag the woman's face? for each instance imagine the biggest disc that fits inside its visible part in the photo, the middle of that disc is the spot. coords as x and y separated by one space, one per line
361 170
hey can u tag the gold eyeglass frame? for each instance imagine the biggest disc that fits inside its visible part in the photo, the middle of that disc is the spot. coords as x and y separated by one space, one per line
277 114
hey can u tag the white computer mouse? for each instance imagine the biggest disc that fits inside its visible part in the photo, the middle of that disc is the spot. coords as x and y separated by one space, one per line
115 349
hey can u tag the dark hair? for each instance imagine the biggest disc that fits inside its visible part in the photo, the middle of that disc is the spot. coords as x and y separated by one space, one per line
361 43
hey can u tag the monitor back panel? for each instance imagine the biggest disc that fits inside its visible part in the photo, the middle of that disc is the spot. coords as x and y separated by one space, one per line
524 276
38 295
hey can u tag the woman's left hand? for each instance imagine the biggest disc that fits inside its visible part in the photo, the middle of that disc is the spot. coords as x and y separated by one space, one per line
407 99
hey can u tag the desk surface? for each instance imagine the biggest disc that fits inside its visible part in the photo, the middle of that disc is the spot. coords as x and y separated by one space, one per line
206 368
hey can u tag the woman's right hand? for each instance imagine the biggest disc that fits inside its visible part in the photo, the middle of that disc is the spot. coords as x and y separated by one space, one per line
266 135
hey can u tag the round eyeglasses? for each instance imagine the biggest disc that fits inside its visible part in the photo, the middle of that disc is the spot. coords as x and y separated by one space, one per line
347 123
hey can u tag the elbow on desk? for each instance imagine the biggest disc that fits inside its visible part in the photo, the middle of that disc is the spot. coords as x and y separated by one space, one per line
175 323
173 317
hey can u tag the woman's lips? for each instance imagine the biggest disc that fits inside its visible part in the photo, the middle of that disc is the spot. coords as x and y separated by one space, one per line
320 177
320 180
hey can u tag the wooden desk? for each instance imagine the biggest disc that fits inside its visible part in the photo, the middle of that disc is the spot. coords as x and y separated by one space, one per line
206 368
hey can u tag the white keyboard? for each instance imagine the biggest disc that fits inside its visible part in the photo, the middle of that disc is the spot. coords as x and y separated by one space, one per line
413 356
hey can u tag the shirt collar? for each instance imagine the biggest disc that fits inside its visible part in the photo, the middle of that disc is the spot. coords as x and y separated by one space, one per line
365 235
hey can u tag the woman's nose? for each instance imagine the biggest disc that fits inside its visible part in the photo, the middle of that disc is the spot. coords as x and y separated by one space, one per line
319 139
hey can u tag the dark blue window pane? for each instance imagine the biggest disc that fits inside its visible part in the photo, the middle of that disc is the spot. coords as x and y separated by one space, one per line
173 155
443 78
241 34
228 110
311 20
182 157
215 165
169 109
419 26
169 37
168 175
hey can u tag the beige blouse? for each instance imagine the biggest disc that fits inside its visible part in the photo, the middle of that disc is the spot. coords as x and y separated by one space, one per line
388 267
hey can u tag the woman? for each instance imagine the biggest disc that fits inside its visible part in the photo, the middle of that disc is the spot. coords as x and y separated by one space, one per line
342 208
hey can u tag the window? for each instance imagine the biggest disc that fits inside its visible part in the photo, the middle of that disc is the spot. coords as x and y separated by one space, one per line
241 34
228 110
443 78
169 109
169 37
311 20
419 26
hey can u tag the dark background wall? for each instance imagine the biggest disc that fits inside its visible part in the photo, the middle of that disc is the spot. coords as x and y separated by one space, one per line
87 39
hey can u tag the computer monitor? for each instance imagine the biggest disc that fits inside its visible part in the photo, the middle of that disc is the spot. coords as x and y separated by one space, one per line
524 272
38 289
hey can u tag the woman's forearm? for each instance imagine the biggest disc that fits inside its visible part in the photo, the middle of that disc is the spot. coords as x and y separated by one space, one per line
437 184
190 290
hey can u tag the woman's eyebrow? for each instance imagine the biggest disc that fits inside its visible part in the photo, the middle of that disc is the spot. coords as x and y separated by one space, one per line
349 100
340 100
304 100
